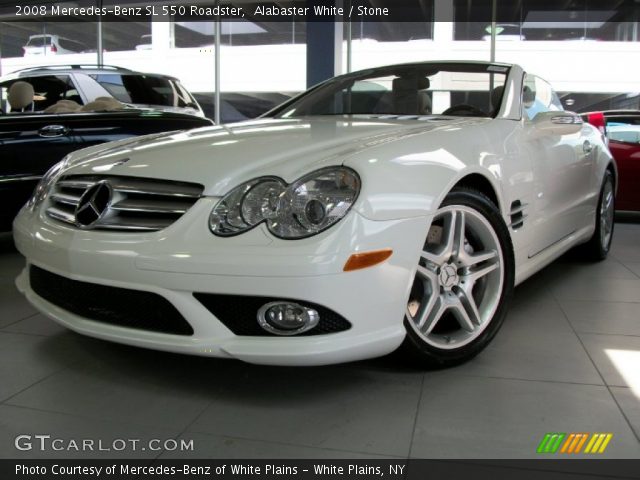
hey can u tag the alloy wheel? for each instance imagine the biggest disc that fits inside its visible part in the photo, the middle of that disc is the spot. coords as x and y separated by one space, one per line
458 280
606 215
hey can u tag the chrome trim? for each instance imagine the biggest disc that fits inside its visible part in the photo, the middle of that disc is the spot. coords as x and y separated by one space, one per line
118 226
566 120
148 206
19 178
75 184
61 215
88 203
519 222
136 204
65 198
519 208
313 319
151 192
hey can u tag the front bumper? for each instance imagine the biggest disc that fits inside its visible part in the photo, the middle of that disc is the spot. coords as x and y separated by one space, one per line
186 258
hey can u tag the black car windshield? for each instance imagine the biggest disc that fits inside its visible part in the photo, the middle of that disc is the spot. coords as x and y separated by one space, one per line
145 89
456 89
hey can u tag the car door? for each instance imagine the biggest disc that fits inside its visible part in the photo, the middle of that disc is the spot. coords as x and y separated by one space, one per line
29 145
99 127
562 170
623 133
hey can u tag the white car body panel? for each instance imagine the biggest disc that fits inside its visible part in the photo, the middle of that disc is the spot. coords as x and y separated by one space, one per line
406 168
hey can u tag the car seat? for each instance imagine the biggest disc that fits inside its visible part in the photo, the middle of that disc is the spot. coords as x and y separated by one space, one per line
63 106
103 104
409 97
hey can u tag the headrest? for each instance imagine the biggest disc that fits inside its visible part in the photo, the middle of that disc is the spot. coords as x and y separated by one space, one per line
410 83
528 96
408 97
20 95
496 96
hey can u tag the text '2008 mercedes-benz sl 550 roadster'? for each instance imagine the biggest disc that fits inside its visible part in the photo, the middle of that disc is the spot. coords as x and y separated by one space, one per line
394 207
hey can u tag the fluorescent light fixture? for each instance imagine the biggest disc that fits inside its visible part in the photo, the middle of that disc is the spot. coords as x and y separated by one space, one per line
567 19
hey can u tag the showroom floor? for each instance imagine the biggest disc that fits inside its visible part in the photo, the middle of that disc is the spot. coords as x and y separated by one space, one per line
566 360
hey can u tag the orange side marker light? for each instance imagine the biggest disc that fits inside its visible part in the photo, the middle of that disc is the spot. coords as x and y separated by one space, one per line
358 261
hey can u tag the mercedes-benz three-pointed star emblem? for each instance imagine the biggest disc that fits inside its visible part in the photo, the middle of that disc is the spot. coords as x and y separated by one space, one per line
448 276
93 204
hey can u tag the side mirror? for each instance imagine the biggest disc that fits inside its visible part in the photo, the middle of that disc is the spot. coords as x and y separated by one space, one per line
557 123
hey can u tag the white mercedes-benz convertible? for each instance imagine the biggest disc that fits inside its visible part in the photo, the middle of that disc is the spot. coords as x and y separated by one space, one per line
392 207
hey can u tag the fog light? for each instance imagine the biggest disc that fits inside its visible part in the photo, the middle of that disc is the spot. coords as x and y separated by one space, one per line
287 318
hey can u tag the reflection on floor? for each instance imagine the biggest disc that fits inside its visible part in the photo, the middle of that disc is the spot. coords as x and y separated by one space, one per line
566 360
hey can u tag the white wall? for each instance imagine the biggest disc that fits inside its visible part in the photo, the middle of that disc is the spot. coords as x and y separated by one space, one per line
576 66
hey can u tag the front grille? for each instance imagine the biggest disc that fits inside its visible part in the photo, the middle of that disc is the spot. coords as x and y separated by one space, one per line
239 314
135 204
115 306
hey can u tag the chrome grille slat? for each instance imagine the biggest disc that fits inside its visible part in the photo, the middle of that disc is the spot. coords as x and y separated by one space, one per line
133 205
75 184
151 192
137 204
146 186
119 226
61 215
66 199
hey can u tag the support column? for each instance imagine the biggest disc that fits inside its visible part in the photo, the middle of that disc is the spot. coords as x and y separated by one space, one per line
162 35
324 45
443 21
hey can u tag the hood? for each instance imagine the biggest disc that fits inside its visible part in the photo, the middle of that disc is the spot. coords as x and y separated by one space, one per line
220 158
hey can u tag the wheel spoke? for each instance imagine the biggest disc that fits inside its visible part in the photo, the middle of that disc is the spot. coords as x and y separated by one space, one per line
475 275
463 316
484 256
454 231
469 304
431 314
427 274
457 250
432 258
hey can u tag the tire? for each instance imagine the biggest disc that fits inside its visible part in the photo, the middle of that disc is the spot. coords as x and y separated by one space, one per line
598 246
463 284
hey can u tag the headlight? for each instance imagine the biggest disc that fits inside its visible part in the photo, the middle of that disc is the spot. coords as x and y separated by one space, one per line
306 207
44 185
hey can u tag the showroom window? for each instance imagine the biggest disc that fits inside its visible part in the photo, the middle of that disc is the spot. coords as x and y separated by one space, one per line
263 63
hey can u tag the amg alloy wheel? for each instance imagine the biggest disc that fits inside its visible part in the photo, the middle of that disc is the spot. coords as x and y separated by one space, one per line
597 248
463 282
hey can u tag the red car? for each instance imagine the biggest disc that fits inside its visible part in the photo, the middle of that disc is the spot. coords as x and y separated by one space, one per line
622 129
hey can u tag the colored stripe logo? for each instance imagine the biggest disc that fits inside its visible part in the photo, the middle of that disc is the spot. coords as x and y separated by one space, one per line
574 443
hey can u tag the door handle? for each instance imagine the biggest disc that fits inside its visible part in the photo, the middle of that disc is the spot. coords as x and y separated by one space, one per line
587 147
53 131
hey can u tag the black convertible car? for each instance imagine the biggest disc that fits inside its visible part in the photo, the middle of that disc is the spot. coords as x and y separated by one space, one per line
31 142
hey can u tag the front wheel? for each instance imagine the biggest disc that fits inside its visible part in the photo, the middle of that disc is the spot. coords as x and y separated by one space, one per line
463 283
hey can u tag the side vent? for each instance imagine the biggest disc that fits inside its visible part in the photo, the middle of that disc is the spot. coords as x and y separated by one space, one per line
517 214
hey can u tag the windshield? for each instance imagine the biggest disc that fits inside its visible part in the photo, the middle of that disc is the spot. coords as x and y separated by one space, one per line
145 90
39 41
455 89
